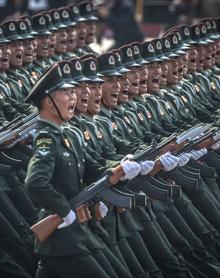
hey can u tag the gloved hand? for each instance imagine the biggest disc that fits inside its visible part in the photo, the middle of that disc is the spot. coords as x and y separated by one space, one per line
68 220
169 162
146 167
130 168
195 155
216 146
103 209
204 151
184 159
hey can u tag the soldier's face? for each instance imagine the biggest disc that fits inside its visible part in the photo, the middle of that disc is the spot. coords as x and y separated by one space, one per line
16 53
72 39
143 75
154 75
65 100
82 93
111 90
123 94
43 46
95 97
164 69
200 57
35 49
81 34
28 52
185 63
217 55
61 41
192 56
53 39
180 68
208 57
172 75
134 79
6 53
91 30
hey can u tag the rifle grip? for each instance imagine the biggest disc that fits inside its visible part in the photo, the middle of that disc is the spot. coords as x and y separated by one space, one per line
120 210
117 173
98 215
157 168
87 213
80 212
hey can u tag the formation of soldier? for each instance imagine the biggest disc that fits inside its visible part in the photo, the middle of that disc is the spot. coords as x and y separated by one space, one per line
97 112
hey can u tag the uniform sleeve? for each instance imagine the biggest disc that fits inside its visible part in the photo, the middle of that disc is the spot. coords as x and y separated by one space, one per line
40 173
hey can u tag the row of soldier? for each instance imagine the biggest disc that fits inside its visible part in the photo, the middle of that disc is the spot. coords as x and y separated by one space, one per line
126 99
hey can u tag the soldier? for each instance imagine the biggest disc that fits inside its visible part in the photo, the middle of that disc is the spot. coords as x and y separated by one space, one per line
66 252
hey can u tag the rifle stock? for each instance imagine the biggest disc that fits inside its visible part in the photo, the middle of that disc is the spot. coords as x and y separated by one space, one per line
44 228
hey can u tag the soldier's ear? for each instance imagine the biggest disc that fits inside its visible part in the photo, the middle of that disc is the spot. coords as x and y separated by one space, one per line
48 101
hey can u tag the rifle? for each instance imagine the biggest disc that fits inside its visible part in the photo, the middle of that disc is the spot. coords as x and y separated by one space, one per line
48 225
14 135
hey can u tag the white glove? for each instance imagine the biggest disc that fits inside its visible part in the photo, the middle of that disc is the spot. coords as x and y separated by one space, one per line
184 159
103 209
146 167
204 151
169 162
130 168
195 155
68 220
216 146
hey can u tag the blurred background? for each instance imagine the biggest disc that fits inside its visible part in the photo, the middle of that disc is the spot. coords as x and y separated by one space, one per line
125 21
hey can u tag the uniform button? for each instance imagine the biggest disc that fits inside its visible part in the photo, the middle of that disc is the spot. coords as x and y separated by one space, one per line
83 160
81 180
70 163
78 165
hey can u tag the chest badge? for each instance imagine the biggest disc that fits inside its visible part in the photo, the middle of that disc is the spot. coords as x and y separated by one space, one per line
66 154
43 152
197 88
98 134
67 143
213 85
114 126
140 116
20 83
149 114
86 135
184 99
127 120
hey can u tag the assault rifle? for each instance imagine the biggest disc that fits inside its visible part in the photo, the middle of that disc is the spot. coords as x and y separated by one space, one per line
101 188
15 132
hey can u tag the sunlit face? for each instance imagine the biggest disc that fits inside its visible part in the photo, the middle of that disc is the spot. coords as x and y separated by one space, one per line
134 79
172 75
185 63
72 39
35 49
154 75
91 31
208 57
82 93
53 39
81 34
43 47
164 70
16 53
111 90
180 68
95 97
65 100
200 57
28 52
192 57
6 54
61 41
143 75
123 94
217 54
